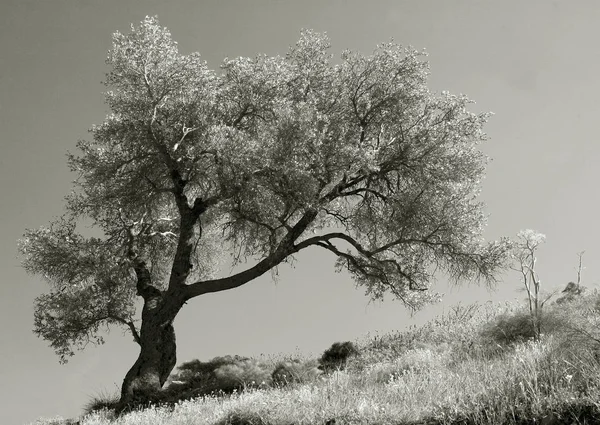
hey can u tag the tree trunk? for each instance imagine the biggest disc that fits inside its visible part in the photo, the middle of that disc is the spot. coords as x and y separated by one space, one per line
157 356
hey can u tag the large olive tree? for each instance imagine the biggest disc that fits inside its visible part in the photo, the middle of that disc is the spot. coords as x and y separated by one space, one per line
262 159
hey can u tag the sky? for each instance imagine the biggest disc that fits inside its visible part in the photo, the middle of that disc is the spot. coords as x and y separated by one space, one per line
535 64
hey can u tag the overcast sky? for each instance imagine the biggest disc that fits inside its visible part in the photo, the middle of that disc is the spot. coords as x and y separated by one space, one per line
535 64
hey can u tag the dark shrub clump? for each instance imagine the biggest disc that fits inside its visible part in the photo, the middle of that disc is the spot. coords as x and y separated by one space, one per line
336 356
196 378
295 372
509 329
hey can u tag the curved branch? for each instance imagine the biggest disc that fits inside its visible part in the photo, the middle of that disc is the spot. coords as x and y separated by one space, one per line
371 270
336 235
285 248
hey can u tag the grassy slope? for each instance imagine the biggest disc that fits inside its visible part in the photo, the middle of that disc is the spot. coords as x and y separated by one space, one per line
473 365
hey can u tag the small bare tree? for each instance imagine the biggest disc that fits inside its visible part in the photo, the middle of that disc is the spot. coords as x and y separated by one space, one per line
573 289
579 269
523 253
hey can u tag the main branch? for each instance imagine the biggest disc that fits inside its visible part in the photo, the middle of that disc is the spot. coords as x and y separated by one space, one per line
284 249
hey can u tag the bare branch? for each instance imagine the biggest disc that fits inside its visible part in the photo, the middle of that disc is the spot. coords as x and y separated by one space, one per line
580 268
131 325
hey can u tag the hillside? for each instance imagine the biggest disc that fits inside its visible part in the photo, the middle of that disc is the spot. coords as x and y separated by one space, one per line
477 364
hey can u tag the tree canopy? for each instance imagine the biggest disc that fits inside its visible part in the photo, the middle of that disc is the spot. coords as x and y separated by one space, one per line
258 160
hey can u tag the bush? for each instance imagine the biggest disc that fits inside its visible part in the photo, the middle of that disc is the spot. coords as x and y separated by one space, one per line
197 370
578 345
509 329
336 356
248 373
242 418
571 293
195 378
295 372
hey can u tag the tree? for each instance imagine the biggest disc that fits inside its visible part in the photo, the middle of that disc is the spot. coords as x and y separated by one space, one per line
524 252
265 158
573 290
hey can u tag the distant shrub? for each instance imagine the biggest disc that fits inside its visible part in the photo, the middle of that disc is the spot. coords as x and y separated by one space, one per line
242 418
336 356
195 378
296 371
578 345
571 293
197 370
511 328
508 329
247 373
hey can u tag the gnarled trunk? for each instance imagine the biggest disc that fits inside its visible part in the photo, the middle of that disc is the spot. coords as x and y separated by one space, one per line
155 362
157 356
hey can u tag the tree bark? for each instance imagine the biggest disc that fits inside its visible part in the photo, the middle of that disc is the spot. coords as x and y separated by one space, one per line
158 347
156 359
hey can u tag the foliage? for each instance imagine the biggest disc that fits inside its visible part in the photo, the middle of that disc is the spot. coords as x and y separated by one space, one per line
247 374
336 356
580 337
266 155
196 378
517 327
295 372
196 368
571 292
243 418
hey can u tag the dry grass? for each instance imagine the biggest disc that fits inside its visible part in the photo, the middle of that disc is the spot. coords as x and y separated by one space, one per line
450 371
